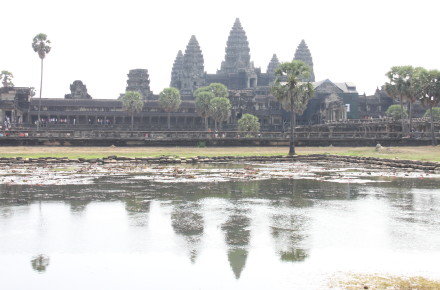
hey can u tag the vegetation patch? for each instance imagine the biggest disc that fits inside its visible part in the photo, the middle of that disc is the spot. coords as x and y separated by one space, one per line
377 281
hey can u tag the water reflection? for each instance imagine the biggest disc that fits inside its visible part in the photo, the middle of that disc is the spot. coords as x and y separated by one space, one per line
187 221
313 224
289 231
237 237
138 210
40 263
78 205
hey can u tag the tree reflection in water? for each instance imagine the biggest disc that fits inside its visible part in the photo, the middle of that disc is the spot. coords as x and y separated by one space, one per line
40 263
290 221
78 205
187 221
138 210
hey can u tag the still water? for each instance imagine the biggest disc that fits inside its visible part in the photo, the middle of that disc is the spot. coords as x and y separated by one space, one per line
120 233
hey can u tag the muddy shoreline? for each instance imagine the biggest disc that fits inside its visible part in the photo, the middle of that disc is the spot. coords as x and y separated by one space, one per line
390 163
166 169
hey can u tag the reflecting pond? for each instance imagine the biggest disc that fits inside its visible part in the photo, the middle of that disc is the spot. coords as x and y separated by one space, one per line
134 233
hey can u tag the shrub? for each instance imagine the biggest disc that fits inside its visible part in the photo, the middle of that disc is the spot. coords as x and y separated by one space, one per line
435 113
395 112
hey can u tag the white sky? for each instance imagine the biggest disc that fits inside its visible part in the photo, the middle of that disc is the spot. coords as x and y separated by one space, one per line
98 42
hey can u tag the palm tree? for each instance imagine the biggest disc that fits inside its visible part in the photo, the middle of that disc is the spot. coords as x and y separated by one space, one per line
430 94
169 101
292 93
41 45
132 102
202 102
204 95
400 87
219 109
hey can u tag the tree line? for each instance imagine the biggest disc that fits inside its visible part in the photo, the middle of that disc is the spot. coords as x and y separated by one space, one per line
409 85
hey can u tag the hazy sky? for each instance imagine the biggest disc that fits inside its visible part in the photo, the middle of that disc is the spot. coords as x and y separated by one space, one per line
98 42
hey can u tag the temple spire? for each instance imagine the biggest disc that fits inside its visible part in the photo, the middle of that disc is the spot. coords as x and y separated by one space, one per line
177 71
139 80
303 54
237 51
193 68
273 65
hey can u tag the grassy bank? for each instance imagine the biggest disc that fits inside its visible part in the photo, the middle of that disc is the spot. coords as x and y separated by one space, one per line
424 153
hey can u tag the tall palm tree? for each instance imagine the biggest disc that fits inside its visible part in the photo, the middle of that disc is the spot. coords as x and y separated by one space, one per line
430 94
220 110
41 45
132 102
400 87
292 93
202 102
203 97
169 101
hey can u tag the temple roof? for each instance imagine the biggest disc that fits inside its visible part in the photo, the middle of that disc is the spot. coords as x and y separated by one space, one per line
327 85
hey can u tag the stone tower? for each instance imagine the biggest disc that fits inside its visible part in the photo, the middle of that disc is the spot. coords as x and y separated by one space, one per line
139 81
177 72
188 71
193 66
238 59
78 91
303 54
273 65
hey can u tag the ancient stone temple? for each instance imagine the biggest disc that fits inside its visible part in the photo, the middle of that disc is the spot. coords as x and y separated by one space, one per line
78 91
249 92
303 54
139 81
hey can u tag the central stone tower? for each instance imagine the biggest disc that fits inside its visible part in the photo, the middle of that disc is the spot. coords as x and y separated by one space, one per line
237 66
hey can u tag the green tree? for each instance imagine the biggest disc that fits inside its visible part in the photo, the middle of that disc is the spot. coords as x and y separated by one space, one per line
395 112
202 104
435 113
292 93
430 96
248 123
169 101
203 99
218 89
41 45
403 86
6 78
132 102
219 109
